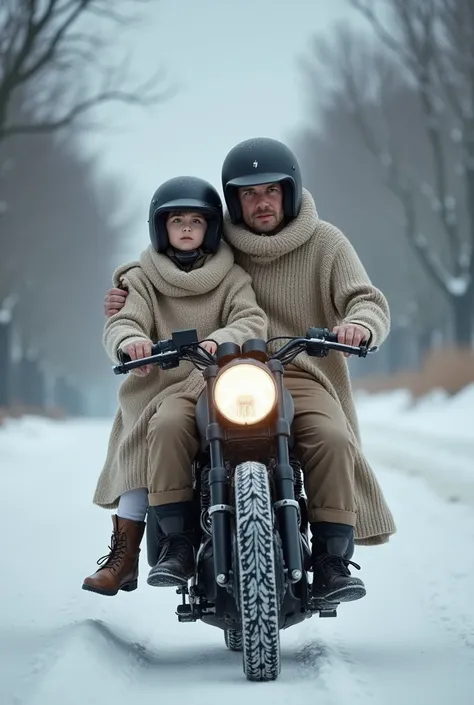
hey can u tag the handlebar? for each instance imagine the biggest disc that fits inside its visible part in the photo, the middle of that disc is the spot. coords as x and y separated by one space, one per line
184 345
323 332
158 348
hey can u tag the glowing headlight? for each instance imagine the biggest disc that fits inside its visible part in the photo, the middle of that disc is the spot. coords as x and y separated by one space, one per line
245 394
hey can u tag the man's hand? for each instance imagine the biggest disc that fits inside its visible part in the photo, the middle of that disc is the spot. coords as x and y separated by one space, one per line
351 334
209 346
114 301
137 351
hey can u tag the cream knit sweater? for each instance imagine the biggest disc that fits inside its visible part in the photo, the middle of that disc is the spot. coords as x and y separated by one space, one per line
310 275
217 299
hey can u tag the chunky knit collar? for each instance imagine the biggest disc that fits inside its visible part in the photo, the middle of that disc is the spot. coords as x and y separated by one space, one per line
169 280
264 249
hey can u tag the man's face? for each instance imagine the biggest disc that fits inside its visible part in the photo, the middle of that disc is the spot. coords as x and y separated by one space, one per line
262 207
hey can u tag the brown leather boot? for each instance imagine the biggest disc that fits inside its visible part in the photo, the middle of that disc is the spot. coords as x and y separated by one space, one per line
118 569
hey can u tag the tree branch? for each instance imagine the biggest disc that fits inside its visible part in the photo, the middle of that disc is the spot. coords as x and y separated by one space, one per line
132 98
42 43
7 22
109 14
383 34
446 82
54 41
418 242
33 30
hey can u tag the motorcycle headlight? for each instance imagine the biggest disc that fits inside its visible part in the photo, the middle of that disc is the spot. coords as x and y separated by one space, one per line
245 393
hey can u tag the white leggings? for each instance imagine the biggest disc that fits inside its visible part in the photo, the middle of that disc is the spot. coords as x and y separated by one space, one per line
133 505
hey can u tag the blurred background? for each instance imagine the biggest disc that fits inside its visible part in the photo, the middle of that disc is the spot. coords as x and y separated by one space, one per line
101 101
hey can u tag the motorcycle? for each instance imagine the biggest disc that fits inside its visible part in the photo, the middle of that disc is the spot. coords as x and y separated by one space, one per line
253 564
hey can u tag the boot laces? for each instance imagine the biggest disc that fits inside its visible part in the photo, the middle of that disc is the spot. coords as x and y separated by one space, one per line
117 549
174 546
335 565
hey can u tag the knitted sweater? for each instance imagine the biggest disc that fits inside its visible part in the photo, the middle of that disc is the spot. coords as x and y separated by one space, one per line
310 275
217 299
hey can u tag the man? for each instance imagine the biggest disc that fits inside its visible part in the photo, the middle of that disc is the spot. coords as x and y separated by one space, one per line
306 273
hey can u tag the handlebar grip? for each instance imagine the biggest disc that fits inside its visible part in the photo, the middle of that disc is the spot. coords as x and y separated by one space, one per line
323 333
156 349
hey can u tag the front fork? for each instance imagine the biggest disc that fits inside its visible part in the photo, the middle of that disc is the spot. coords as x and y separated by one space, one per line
220 509
286 506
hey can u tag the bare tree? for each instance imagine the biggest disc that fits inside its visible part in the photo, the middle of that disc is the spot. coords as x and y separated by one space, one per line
62 228
339 171
66 227
53 52
430 53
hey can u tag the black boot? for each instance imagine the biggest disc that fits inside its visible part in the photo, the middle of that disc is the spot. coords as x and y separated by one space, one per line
333 546
175 565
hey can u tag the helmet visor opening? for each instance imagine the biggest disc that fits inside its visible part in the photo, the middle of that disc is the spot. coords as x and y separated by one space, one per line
184 204
258 179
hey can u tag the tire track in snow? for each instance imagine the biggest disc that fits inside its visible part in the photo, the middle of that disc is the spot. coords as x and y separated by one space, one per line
332 667
440 566
89 658
411 638
44 650
451 610
73 663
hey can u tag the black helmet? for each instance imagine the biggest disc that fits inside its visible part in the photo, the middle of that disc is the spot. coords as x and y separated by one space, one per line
185 193
260 161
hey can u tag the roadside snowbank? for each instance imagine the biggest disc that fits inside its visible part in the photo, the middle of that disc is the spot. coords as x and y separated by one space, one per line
433 439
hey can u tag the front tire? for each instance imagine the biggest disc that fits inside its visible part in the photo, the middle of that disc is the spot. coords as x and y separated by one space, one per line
258 591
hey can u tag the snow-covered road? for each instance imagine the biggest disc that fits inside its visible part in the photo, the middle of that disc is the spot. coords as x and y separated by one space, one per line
410 641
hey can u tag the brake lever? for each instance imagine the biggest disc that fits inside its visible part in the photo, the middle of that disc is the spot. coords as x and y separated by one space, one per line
364 350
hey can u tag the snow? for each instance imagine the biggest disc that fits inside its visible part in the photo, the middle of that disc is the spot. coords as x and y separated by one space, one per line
436 205
5 316
397 434
410 640
421 240
458 286
465 254
427 189
451 217
386 159
450 202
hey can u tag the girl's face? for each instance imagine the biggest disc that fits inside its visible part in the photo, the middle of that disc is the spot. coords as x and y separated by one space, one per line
186 230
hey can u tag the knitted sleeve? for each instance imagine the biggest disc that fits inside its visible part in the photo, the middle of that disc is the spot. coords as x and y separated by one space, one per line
242 317
355 298
132 324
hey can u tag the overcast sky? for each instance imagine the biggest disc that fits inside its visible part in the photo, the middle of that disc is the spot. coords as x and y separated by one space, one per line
235 65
